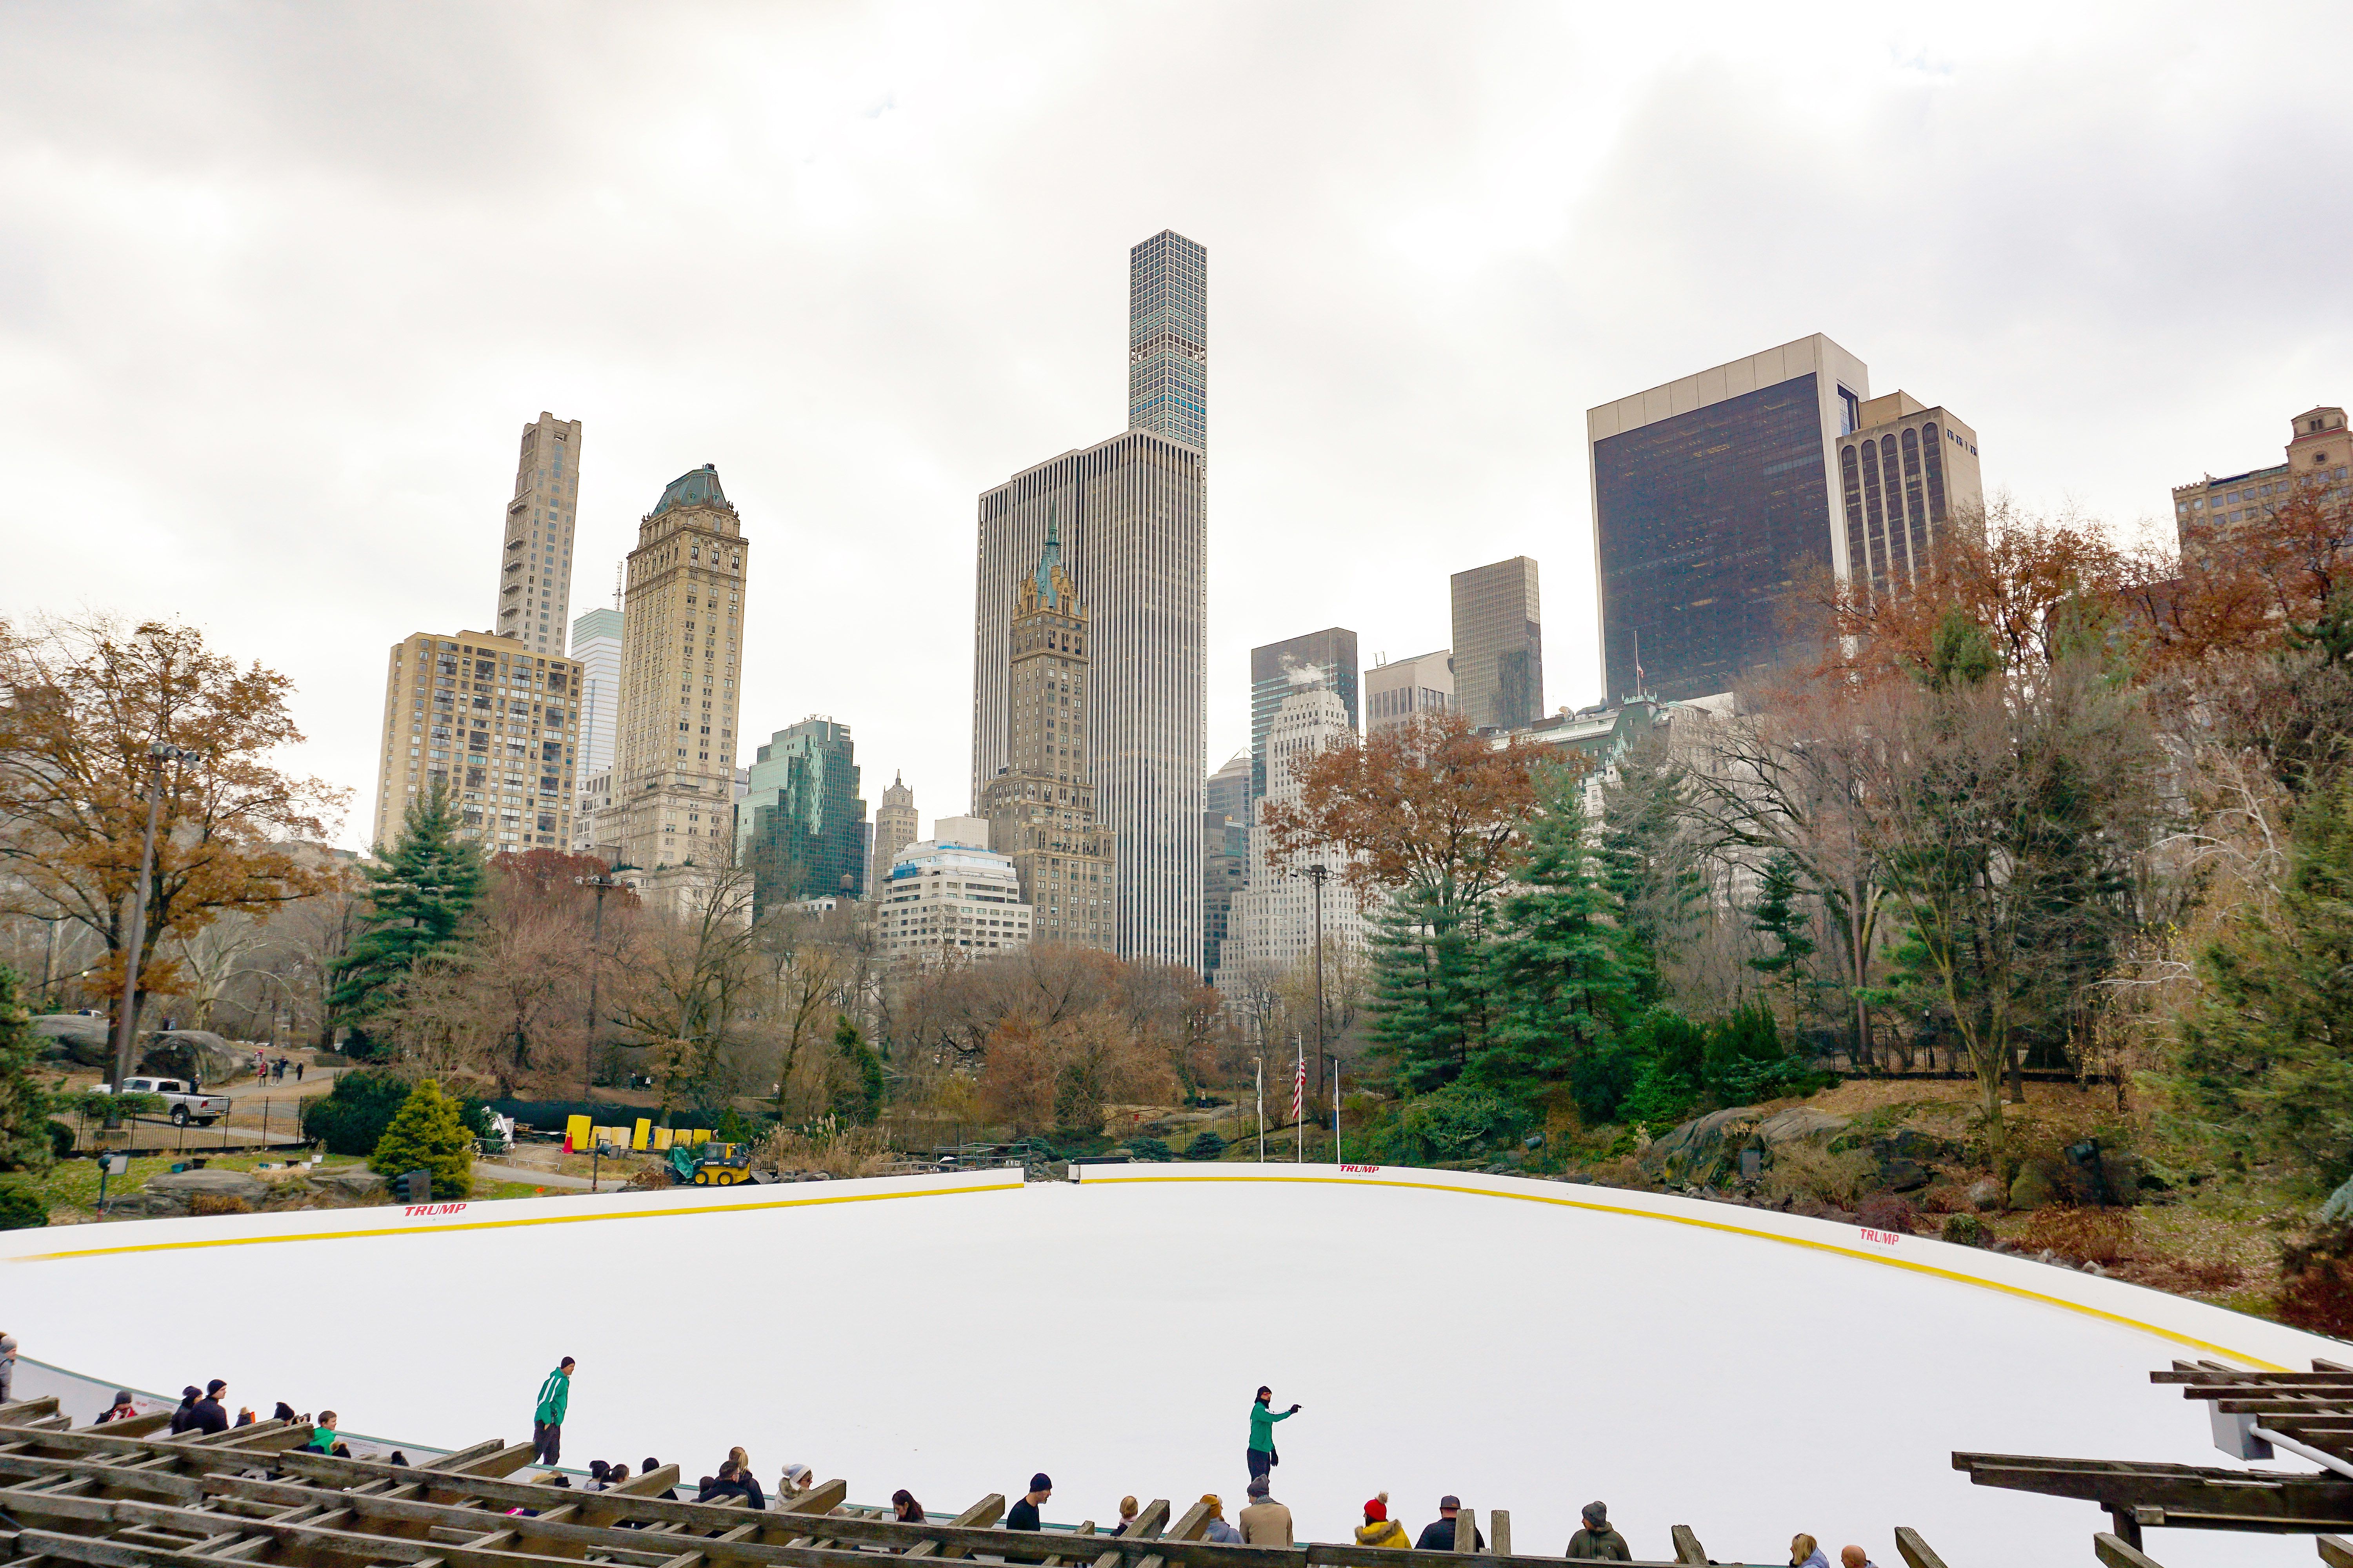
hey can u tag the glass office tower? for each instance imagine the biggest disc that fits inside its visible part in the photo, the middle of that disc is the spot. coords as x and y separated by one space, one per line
1168 338
1713 495
1327 658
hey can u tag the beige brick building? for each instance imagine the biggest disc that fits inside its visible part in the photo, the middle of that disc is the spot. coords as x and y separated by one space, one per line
673 794
1904 472
2319 455
535 563
492 720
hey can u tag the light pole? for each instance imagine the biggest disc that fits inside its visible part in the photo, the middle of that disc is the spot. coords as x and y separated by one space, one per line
1318 874
126 1023
602 883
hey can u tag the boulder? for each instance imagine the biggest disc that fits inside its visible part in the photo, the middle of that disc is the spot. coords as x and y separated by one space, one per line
1898 1174
1797 1124
221 1184
78 1037
1693 1151
2038 1183
1986 1194
198 1055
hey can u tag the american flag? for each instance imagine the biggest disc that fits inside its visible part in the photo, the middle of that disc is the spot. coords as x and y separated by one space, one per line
1299 1089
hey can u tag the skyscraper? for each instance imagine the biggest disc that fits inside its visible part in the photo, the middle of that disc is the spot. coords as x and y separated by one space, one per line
801 828
1712 497
1396 689
1041 808
1498 643
1901 477
1225 861
1274 915
494 723
596 645
1133 539
1327 658
1168 338
894 829
535 566
674 757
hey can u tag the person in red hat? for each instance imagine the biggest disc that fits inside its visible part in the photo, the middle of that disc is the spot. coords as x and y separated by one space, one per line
1379 1528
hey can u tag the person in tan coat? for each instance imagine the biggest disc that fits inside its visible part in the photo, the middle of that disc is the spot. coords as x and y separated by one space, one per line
1379 1528
1265 1522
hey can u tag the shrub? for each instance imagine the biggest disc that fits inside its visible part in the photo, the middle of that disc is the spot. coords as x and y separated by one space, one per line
1810 1171
1451 1123
427 1134
1149 1149
2315 1286
2079 1236
1964 1230
218 1203
21 1208
353 1116
827 1145
1886 1211
1207 1146
61 1140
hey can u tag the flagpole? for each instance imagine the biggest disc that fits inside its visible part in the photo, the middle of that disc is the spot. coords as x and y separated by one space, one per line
1299 1103
1336 1158
1258 1076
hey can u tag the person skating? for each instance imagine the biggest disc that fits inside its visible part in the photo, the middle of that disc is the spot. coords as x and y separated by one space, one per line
1265 1522
1023 1515
1379 1528
547 1416
1597 1541
1438 1535
1261 1456
210 1415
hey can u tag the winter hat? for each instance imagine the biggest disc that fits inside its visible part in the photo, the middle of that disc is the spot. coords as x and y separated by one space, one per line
1596 1515
123 1396
214 1386
1042 1482
1257 1487
1377 1509
191 1392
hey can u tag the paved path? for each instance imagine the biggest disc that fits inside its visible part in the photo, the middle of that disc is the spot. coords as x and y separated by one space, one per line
549 1178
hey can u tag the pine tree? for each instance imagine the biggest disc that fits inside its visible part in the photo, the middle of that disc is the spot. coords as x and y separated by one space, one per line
1555 953
24 1103
419 897
1647 865
429 1134
1433 1003
1778 916
861 1102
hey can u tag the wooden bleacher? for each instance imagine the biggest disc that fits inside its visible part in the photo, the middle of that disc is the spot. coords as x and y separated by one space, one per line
127 1495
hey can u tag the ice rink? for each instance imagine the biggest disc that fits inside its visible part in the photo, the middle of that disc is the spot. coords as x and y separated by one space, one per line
1529 1345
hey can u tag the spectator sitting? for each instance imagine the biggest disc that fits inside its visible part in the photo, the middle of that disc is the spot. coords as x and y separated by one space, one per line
1597 1541
1438 1535
122 1409
906 1509
208 1414
751 1482
399 1458
245 1416
284 1412
559 1480
1265 1522
1023 1515
322 1433
1855 1557
732 1481
1806 1552
184 1417
795 1483
1128 1511
1379 1528
617 1474
599 1476
1218 1528
648 1467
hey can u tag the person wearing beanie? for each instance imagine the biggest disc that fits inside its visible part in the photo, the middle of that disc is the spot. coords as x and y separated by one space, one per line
184 1417
1379 1528
208 1414
1261 1456
122 1409
1217 1529
1596 1542
547 1415
1265 1522
1023 1515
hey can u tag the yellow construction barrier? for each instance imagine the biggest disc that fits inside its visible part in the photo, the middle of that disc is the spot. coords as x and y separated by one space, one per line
662 1139
637 1137
576 1134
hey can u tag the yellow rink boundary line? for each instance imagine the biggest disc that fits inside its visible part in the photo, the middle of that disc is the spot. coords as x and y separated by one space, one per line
2257 1362
426 1227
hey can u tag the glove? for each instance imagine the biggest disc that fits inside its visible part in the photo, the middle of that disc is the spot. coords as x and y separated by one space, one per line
1294 1410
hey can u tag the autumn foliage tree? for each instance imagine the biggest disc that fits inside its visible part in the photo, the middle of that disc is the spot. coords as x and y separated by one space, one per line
81 703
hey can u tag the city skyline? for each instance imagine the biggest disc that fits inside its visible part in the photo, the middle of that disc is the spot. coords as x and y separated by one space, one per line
1403 337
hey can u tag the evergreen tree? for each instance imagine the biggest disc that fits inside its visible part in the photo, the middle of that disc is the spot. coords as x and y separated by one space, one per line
861 1102
429 1133
1649 866
1778 917
1562 990
24 1104
1434 1003
418 896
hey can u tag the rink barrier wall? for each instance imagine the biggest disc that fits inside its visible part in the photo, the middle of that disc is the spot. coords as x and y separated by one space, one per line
125 1236
2196 1326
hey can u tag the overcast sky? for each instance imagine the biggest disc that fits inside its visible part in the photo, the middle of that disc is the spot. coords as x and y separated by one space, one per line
280 285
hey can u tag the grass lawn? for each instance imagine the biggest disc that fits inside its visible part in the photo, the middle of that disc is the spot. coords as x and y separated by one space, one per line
72 1185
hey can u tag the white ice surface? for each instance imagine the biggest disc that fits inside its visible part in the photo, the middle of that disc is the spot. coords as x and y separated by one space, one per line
1526 1354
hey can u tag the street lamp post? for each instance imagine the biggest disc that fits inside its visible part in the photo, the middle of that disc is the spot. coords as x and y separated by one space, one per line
127 1019
602 883
1318 874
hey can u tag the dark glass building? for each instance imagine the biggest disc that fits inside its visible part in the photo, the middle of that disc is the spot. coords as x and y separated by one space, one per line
1328 656
802 830
1712 498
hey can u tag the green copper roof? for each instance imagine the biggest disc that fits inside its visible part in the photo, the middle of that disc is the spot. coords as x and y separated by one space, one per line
698 487
1052 556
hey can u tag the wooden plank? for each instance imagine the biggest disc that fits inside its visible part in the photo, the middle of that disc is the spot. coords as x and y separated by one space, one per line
18 1412
1687 1546
132 1425
2336 1551
2116 1553
1915 1551
1466 1529
1499 1531
979 1516
158 1483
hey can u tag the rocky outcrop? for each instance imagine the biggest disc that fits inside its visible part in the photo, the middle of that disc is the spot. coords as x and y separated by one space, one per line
198 1055
1706 1150
76 1037
221 1191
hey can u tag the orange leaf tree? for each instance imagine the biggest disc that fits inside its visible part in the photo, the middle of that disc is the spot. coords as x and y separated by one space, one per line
81 701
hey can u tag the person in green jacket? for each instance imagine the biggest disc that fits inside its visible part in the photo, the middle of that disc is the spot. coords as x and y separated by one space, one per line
547 1416
1263 1416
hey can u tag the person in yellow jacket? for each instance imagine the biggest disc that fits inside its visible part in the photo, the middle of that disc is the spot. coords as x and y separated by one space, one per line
1379 1528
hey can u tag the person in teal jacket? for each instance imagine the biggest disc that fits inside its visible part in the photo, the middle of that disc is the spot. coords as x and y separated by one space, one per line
547 1416
1263 1415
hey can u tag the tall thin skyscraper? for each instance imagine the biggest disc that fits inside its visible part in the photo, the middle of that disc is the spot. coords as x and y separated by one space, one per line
1327 658
1711 495
1134 535
597 644
894 829
674 764
1498 643
1168 338
535 566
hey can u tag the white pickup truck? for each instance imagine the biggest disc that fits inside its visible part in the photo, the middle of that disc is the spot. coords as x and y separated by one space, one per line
187 1104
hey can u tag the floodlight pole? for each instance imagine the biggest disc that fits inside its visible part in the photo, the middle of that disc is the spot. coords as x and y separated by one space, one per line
602 883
